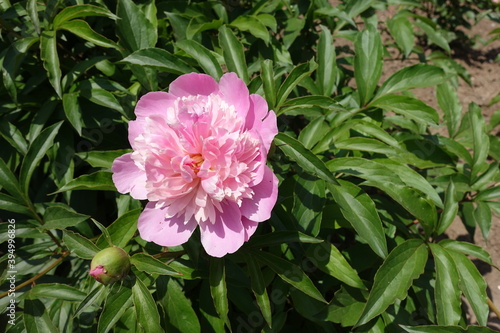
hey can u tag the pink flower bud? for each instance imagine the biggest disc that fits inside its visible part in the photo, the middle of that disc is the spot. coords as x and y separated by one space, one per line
110 265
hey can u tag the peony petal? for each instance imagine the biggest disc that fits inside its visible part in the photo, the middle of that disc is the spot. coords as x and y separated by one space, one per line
135 128
261 120
250 227
193 84
227 234
128 177
235 92
259 207
154 103
154 227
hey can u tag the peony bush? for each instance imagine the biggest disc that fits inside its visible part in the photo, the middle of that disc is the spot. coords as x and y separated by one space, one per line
214 166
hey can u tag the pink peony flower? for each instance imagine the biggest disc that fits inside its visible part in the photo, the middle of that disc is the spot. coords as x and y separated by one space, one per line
199 157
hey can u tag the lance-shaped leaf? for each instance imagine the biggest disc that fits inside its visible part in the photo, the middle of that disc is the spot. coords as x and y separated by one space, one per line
467 248
102 159
268 82
50 58
203 56
259 289
367 62
80 245
79 11
145 307
36 318
122 229
36 152
60 217
328 258
404 264
58 291
82 29
178 309
416 76
281 237
359 209
450 104
446 329
409 107
292 80
135 31
290 273
447 295
117 302
296 151
402 31
9 182
146 263
450 210
159 59
218 288
233 52
480 141
327 63
97 181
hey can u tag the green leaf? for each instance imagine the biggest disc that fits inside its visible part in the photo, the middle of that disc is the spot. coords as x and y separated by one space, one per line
159 59
258 285
79 11
11 204
404 264
297 74
483 217
48 54
467 248
97 181
90 299
218 288
416 76
327 64
117 302
402 31
433 35
313 132
480 139
122 229
179 311
146 263
82 29
57 291
447 296
368 62
12 135
233 52
102 159
450 104
472 285
145 307
489 194
409 107
281 237
290 273
450 210
488 177
346 306
135 31
304 157
9 182
309 200
328 258
35 153
36 318
253 25
203 56
80 245
72 111
198 24
269 82
359 209
59 217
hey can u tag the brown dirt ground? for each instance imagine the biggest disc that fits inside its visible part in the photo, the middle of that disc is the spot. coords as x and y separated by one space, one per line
485 77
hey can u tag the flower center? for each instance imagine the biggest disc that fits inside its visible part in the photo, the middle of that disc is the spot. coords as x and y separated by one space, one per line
196 162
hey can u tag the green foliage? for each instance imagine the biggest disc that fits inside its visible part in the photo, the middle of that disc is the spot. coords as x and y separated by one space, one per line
368 182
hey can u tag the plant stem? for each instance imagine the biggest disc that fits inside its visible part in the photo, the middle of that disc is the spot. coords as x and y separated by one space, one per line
493 307
39 275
